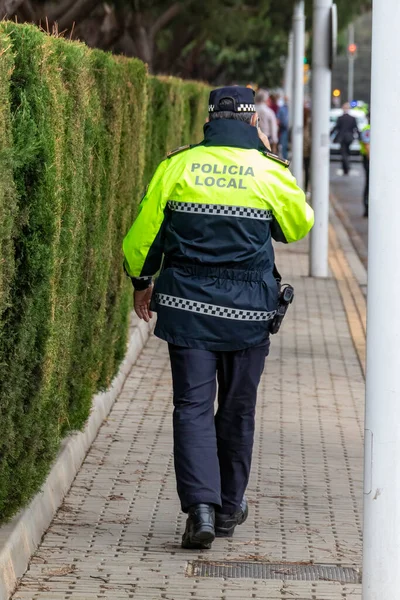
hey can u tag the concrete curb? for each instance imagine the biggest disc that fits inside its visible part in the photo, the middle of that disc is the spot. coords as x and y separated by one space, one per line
351 251
351 279
20 538
353 235
345 229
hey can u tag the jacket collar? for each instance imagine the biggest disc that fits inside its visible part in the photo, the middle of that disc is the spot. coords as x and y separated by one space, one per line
227 132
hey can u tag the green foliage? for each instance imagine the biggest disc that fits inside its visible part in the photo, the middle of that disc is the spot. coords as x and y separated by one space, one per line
231 41
347 11
167 129
73 153
224 42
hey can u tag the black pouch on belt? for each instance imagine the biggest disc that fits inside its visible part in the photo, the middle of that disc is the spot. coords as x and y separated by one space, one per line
285 298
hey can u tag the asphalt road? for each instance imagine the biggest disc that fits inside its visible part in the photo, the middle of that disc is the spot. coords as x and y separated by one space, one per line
347 192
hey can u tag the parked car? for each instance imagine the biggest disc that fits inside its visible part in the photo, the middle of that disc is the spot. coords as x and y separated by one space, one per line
361 122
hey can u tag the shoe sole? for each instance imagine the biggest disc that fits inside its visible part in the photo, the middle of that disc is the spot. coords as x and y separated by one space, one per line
226 532
201 541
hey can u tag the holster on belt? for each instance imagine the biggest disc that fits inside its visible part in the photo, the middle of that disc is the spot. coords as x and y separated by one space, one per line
285 298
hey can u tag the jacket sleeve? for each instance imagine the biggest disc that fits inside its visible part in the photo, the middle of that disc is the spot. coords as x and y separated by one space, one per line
338 127
292 216
143 244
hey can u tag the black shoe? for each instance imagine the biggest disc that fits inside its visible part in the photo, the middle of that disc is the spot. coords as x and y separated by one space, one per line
225 524
200 527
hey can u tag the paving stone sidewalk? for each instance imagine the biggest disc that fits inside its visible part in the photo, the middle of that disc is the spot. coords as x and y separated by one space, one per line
117 535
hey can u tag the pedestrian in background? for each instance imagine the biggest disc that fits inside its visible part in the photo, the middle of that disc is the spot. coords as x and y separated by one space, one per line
346 130
212 210
273 103
268 122
283 123
365 139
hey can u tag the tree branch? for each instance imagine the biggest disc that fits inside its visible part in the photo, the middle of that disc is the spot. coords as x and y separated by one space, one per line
55 10
78 11
165 18
28 11
125 45
10 7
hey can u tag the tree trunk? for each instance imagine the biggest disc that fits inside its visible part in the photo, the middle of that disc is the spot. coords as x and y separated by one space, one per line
27 11
76 14
142 39
54 10
8 8
125 29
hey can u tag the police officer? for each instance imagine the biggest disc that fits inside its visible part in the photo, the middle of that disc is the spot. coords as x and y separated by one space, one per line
211 211
365 139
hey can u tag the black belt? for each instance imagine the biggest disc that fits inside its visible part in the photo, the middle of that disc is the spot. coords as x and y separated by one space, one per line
228 272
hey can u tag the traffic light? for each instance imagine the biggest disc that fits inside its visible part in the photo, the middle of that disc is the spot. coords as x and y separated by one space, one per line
336 97
352 50
306 73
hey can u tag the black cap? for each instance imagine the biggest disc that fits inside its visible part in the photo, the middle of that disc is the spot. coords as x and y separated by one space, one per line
233 99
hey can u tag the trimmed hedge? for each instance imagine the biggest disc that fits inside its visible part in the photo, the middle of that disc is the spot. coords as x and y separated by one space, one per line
81 132
167 129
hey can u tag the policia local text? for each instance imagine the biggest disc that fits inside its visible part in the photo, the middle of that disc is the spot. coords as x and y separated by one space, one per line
221 182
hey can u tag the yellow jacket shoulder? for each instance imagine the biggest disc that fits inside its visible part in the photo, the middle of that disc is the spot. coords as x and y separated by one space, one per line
178 150
285 163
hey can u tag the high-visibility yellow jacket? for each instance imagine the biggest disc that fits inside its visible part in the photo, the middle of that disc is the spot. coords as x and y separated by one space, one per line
365 139
211 211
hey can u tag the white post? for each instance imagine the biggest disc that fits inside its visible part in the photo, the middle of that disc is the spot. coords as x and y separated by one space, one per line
381 565
320 151
351 58
289 76
298 91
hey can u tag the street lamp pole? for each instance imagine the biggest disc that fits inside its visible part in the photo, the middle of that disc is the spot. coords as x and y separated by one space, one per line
381 572
320 151
298 91
351 59
289 75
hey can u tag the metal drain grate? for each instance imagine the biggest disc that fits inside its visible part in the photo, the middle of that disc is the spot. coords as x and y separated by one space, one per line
263 570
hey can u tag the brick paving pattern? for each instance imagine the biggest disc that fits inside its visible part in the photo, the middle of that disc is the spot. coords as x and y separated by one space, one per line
117 535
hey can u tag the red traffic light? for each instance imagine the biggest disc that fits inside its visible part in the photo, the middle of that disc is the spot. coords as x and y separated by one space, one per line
352 48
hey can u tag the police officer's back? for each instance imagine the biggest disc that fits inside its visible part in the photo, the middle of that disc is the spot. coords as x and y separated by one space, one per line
211 211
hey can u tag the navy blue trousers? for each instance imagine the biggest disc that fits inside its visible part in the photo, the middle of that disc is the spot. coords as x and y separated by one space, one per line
212 451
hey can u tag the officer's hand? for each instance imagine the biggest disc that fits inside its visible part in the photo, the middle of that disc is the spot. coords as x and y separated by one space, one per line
264 139
141 302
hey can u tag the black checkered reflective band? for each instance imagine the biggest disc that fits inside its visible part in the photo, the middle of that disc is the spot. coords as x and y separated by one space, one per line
221 209
246 108
213 310
239 108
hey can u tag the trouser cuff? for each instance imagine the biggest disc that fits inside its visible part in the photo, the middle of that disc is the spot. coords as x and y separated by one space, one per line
193 499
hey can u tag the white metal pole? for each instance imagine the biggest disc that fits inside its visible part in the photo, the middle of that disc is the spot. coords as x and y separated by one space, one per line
381 568
320 151
350 91
289 76
298 91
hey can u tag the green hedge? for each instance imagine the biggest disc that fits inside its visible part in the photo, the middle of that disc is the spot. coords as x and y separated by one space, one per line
167 129
81 132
